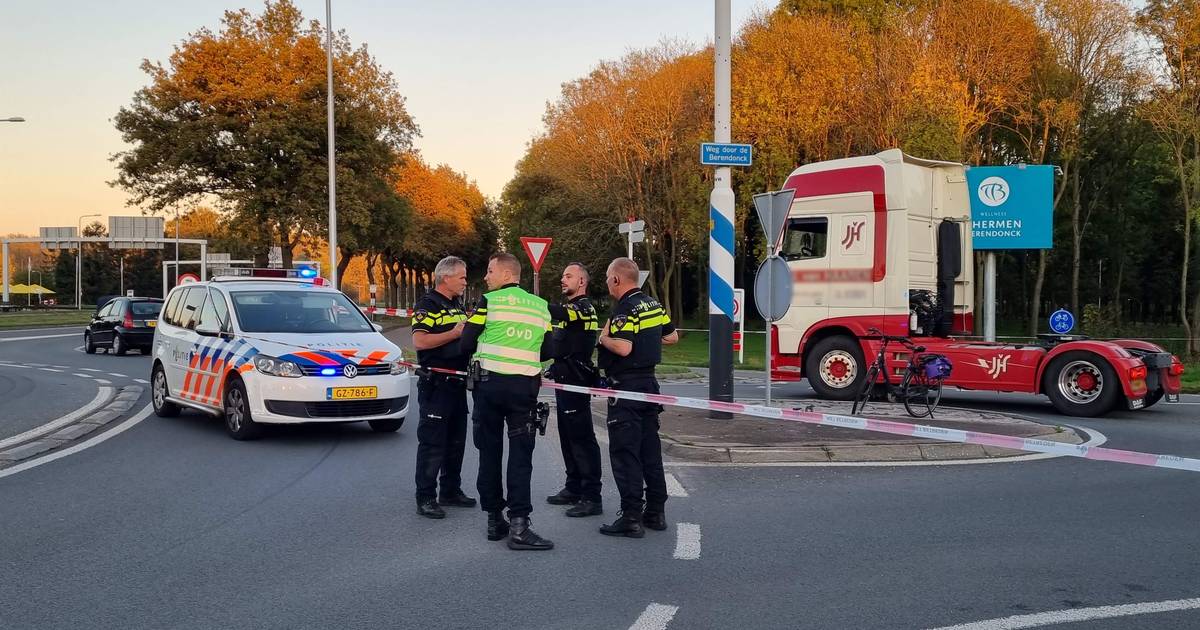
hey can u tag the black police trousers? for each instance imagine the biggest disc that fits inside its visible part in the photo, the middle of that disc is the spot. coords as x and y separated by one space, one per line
577 437
634 448
441 434
502 406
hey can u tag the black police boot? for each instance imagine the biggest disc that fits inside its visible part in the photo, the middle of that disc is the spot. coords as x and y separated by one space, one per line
655 517
430 509
628 524
497 527
564 497
524 539
456 499
585 507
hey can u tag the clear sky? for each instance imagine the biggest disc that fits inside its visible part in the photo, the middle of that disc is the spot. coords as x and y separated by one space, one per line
477 75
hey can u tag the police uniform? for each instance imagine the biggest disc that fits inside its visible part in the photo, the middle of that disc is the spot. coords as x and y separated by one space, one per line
575 332
633 444
442 398
505 334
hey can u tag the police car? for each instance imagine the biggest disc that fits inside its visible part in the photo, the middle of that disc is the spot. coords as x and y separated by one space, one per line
274 350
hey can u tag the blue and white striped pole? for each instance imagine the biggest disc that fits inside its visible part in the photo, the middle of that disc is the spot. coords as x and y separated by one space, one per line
720 231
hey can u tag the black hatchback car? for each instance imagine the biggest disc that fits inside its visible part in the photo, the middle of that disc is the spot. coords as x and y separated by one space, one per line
123 324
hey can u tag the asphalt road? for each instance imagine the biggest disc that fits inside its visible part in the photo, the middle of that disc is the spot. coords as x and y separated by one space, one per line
172 524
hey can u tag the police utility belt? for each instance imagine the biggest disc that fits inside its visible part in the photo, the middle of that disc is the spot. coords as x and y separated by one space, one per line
427 376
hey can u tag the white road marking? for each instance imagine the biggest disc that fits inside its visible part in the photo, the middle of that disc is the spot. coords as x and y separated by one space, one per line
3 339
77 329
655 617
1076 615
1097 439
100 399
50 370
82 375
103 381
91 370
117 430
674 488
142 381
687 541
117 374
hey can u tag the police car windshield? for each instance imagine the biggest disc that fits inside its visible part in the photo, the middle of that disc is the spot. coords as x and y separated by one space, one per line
281 311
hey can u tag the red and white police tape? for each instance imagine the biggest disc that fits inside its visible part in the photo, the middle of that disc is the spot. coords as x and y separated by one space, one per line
885 426
394 312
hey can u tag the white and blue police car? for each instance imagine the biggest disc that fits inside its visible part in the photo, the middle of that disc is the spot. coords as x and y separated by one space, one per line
274 347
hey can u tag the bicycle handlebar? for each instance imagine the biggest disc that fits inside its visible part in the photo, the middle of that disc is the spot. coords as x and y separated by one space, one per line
901 340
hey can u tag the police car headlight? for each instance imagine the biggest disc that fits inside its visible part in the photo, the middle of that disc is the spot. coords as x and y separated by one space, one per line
276 367
398 369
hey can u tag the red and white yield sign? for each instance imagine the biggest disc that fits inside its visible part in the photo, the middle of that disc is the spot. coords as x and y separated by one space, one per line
536 248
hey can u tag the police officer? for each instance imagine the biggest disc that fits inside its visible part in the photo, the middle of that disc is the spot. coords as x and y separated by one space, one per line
437 324
505 334
575 330
630 346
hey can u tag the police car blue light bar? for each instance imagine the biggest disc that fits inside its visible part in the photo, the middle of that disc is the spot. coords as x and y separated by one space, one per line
303 272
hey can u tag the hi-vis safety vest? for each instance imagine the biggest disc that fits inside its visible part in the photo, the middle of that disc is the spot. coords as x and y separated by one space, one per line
514 323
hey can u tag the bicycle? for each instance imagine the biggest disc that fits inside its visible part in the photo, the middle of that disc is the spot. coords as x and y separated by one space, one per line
921 387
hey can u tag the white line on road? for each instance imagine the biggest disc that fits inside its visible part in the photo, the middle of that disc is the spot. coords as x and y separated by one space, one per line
91 370
655 617
1076 615
117 374
100 399
103 381
50 370
687 541
3 339
48 329
117 430
141 380
82 375
674 488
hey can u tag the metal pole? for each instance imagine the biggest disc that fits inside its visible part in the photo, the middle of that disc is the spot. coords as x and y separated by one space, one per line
333 246
767 339
629 240
29 279
4 255
720 236
122 274
989 296
536 285
204 261
176 248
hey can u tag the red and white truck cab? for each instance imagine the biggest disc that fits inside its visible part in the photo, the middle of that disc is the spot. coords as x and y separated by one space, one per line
884 241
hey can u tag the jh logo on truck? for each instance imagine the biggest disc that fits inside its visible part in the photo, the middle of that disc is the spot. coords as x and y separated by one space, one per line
997 366
853 233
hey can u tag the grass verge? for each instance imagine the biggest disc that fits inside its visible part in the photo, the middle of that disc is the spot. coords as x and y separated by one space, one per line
44 319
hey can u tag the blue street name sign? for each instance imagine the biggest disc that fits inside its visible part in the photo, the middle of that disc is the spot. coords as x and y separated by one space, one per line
1062 321
723 154
1012 207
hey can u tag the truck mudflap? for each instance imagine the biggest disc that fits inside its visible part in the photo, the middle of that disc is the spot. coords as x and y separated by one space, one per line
1162 377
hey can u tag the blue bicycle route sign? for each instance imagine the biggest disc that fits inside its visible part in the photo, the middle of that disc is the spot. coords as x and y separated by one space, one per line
1062 321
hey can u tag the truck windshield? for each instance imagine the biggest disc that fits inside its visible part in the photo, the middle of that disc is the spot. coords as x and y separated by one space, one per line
805 238
282 311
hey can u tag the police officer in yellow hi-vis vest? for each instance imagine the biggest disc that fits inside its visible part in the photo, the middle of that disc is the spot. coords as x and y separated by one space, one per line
505 334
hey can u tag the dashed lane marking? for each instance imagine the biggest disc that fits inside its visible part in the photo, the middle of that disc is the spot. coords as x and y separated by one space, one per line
51 370
101 398
141 380
687 541
84 375
1076 615
104 381
117 374
655 617
674 488
117 430
31 338
91 370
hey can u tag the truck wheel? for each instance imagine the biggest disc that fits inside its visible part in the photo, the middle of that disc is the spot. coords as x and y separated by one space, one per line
834 368
1080 383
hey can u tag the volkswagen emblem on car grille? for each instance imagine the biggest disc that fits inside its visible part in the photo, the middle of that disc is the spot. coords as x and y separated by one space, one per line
350 370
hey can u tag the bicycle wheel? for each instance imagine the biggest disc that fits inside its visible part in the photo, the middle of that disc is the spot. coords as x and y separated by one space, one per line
920 393
864 390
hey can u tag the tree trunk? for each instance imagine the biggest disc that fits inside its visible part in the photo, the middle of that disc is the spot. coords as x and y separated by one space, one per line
1076 241
1035 303
344 260
1187 249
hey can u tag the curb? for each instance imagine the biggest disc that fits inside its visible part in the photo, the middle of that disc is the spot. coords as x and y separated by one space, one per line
118 406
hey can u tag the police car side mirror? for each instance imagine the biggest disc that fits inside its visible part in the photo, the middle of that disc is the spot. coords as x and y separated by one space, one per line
377 326
207 330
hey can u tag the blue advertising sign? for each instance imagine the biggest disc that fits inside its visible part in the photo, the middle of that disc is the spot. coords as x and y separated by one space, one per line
1062 321
1012 207
724 154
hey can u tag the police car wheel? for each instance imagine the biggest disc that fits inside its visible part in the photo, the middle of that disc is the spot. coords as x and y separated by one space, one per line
159 391
834 368
238 422
1080 383
118 345
89 346
387 425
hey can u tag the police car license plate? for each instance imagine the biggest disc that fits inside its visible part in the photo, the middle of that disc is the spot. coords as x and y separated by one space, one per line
351 393
151 323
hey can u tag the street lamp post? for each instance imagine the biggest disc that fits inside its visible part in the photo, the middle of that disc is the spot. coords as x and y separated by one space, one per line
79 263
333 251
